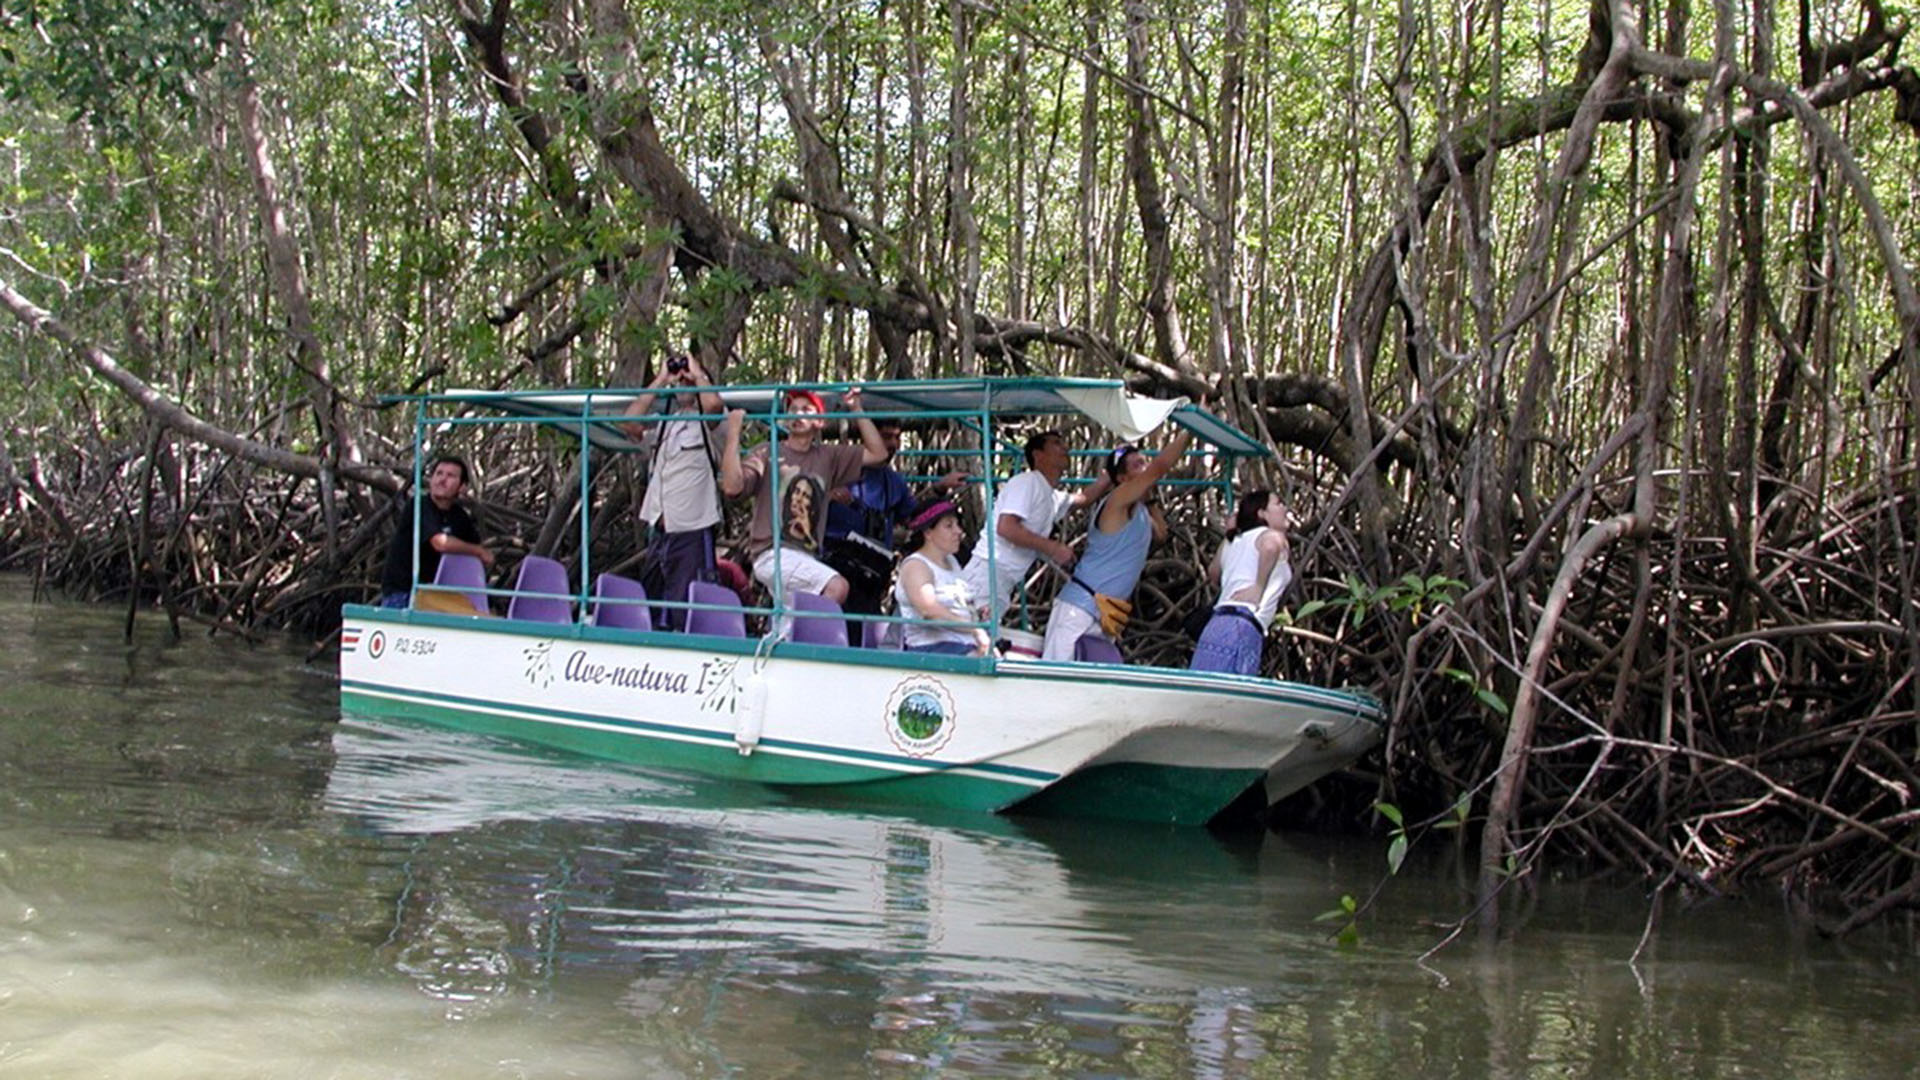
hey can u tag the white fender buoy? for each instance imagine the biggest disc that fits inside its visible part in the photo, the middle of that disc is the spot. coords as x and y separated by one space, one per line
752 715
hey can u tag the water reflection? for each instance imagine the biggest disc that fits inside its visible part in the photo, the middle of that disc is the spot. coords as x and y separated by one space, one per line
617 867
206 872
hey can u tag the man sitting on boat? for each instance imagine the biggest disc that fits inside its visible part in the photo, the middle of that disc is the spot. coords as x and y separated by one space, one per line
1025 510
932 587
682 503
1099 598
830 465
445 526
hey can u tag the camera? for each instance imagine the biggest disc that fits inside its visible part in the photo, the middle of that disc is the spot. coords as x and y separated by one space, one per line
676 364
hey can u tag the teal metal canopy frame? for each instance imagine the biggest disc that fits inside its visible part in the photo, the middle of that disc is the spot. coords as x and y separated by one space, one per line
597 417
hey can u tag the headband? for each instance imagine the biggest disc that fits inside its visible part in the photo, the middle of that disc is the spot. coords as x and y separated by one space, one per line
932 514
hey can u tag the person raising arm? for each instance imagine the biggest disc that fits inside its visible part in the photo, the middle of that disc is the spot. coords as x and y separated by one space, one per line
681 507
1024 511
1253 570
1099 598
802 454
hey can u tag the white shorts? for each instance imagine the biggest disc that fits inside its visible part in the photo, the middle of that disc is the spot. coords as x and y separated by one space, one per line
1068 624
799 571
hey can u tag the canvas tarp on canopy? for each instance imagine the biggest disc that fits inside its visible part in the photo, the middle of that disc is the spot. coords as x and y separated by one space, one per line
1106 402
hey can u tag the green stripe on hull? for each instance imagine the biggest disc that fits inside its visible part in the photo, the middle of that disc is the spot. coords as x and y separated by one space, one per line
774 764
1135 791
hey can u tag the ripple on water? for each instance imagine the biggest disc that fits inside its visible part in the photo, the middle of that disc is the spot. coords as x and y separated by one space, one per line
205 872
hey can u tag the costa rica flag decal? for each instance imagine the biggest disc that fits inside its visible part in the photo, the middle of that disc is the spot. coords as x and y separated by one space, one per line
351 638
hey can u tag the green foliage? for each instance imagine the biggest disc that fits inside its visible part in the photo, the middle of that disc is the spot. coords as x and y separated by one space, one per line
1413 594
1399 841
1348 915
1356 600
1485 695
1397 838
108 61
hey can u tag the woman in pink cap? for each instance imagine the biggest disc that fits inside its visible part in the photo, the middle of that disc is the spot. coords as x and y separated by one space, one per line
931 587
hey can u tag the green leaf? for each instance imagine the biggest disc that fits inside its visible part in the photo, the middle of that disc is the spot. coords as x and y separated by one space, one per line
1485 696
1390 812
1396 853
1348 906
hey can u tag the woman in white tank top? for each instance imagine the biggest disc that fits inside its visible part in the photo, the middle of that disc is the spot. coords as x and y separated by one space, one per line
932 587
1253 571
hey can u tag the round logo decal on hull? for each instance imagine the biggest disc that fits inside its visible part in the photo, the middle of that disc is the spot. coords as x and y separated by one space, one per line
920 716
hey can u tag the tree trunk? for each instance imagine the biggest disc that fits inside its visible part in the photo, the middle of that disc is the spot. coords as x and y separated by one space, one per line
966 232
169 413
289 276
1169 340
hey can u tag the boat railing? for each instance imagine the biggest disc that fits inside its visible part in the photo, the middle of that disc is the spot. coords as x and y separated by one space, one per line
597 418
581 605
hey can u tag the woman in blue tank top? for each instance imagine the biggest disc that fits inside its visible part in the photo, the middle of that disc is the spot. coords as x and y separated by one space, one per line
1123 529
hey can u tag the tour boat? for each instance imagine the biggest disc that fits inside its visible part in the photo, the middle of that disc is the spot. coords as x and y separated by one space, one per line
797 709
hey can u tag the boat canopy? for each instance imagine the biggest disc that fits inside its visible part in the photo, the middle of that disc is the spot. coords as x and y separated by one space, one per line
1106 402
980 404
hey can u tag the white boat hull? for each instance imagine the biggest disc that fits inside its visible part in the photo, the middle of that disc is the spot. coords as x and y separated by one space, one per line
1105 740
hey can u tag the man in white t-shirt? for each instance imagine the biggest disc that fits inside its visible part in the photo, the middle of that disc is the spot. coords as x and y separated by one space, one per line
1025 510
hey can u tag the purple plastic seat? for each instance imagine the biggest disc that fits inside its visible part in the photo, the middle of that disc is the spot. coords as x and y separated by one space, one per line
728 621
621 602
464 574
817 620
875 634
1097 650
540 594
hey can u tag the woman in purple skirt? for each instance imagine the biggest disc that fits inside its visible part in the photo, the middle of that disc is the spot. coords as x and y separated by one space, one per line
1253 571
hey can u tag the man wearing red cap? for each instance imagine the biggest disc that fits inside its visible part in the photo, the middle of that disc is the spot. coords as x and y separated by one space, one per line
818 465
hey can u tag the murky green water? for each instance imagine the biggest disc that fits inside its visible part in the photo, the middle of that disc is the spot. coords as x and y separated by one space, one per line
204 872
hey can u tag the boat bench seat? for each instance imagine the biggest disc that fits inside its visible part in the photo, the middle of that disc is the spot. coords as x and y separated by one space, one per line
720 613
461 575
875 634
540 592
620 602
817 620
